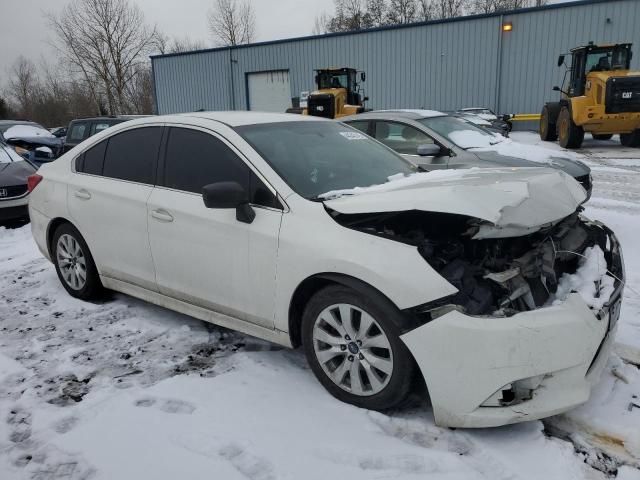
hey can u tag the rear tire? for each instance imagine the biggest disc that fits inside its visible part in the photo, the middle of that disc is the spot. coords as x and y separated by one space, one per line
335 354
548 128
74 264
569 134
604 136
631 139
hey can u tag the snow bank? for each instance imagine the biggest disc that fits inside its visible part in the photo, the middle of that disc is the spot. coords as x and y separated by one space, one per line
26 131
399 181
590 280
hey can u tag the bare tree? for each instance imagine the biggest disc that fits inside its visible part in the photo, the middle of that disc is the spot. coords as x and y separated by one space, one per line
376 13
106 41
448 8
23 83
402 11
490 6
232 22
165 44
321 24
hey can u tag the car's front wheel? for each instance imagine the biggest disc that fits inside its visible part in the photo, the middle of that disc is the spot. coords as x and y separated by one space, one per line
354 348
74 264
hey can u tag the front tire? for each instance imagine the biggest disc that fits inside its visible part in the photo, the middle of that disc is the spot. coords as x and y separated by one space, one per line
548 128
631 139
354 348
570 134
74 264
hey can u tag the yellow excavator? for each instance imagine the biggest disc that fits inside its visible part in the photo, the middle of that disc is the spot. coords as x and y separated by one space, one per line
602 97
338 93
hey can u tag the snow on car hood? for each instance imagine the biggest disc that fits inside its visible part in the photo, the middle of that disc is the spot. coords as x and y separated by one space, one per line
477 142
516 201
26 131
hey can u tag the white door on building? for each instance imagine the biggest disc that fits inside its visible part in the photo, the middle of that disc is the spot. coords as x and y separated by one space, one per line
269 91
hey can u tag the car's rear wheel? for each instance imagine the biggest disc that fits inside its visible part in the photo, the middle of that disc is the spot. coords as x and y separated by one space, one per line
548 128
74 264
631 139
570 135
603 136
354 349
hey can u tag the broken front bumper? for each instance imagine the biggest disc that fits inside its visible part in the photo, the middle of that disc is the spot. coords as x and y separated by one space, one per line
556 352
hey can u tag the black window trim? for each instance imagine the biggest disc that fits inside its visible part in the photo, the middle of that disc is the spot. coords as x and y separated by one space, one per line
163 157
154 176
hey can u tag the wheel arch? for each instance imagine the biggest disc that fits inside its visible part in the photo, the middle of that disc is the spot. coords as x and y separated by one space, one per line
313 284
52 227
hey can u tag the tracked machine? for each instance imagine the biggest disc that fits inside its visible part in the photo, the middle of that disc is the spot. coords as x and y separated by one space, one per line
601 96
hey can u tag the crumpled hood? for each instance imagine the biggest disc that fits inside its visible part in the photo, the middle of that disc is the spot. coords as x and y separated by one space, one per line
515 200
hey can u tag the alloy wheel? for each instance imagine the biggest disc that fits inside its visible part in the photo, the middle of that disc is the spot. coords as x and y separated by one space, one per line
71 261
352 349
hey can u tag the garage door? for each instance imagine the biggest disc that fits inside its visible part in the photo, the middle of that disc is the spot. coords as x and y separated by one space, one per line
269 91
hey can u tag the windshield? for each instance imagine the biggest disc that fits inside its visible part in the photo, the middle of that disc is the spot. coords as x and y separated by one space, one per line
317 157
460 132
8 155
329 80
604 60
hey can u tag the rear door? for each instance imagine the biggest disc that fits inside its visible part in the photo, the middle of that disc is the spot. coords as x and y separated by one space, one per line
107 199
205 256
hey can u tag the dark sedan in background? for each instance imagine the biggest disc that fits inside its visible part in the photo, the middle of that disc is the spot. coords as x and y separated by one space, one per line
14 192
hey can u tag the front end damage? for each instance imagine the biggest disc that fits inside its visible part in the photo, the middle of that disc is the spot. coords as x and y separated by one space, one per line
530 328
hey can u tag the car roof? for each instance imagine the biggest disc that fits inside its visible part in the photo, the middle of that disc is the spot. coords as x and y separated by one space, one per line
107 118
240 118
400 114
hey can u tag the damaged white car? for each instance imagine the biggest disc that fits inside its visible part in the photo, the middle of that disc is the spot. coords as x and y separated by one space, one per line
486 283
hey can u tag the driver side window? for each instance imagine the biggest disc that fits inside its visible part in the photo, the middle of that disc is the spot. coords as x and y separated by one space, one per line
404 139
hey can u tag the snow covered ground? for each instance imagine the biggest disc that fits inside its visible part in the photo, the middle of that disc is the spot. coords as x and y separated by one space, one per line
125 390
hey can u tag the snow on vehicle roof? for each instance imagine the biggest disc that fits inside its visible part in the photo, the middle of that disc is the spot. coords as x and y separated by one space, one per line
26 131
239 118
420 112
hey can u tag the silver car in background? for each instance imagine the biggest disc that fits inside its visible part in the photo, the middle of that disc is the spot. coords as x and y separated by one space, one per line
435 140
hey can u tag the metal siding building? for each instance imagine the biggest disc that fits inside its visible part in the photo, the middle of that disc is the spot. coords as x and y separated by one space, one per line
442 65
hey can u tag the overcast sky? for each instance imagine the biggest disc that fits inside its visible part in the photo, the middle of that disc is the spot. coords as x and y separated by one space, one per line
24 28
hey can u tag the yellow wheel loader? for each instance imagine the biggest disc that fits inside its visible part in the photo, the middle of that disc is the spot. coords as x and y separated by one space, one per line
602 97
338 94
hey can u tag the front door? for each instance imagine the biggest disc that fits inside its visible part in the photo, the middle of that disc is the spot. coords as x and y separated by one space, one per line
206 256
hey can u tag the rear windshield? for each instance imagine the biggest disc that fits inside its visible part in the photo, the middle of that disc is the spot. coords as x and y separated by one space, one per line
8 155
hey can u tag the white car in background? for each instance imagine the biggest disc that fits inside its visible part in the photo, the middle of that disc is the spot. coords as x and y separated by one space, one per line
487 283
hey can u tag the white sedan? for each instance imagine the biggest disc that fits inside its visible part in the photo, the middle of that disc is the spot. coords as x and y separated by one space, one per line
487 284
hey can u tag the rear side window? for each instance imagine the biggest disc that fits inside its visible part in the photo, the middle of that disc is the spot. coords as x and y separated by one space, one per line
98 127
195 159
133 155
92 161
361 125
77 132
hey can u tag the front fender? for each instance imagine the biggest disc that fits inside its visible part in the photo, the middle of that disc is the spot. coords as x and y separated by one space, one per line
312 243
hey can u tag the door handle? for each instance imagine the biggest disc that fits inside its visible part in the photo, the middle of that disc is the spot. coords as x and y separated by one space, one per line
82 194
162 215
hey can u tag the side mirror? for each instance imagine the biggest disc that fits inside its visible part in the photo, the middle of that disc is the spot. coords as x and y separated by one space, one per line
561 60
363 77
229 195
429 150
365 99
556 89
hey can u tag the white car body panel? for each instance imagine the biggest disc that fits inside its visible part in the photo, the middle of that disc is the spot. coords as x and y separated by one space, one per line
524 198
465 360
243 276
